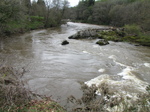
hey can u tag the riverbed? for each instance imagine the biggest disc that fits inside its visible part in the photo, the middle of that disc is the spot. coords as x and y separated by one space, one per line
57 71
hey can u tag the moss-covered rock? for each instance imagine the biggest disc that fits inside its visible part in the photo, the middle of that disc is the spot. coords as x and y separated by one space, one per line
88 34
102 42
111 35
65 42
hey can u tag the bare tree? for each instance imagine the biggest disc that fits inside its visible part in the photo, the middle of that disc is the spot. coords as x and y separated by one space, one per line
55 10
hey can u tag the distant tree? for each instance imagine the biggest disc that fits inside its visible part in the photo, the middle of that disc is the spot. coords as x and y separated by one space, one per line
71 13
55 10
116 15
91 2
27 5
41 8
65 8
11 12
34 8
101 13
82 6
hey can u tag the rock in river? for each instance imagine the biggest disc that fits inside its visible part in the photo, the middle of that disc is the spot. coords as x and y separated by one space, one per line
86 34
65 42
102 42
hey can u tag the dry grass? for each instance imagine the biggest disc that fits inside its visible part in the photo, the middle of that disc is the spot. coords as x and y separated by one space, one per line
14 97
90 102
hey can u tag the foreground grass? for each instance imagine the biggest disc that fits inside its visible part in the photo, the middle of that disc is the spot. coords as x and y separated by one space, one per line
15 98
90 102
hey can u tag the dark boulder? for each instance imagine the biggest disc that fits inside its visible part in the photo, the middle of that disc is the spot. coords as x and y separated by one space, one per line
86 34
65 42
102 42
89 33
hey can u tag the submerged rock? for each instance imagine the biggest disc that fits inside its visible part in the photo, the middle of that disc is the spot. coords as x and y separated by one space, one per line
102 42
65 42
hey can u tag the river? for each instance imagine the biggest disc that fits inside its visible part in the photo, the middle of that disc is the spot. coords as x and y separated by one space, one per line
55 70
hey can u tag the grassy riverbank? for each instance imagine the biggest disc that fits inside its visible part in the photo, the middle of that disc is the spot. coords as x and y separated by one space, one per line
21 16
128 33
134 33
15 27
14 97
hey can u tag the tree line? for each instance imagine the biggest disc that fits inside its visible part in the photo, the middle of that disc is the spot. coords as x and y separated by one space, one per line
21 15
113 12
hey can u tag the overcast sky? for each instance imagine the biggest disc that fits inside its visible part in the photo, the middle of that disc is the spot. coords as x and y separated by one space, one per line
73 2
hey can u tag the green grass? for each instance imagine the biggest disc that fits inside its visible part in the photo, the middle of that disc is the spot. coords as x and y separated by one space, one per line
135 34
35 25
132 29
31 23
34 22
129 33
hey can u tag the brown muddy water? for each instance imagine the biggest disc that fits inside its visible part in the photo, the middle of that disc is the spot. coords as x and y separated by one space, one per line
56 70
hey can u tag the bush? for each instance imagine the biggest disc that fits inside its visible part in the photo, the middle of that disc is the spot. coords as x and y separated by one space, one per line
135 34
35 25
144 39
36 18
132 29
35 22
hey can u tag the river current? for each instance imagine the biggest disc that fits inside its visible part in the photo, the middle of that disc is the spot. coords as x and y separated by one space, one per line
55 70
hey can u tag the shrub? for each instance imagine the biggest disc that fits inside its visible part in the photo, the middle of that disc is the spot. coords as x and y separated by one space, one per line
132 29
36 18
35 22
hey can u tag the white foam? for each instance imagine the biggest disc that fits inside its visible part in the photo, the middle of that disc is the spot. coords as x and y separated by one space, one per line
97 81
95 46
115 50
101 70
123 65
147 64
122 87
112 57
129 87
126 71
101 54
85 52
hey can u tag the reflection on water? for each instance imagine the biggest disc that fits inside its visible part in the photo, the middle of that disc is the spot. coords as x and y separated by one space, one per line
57 70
